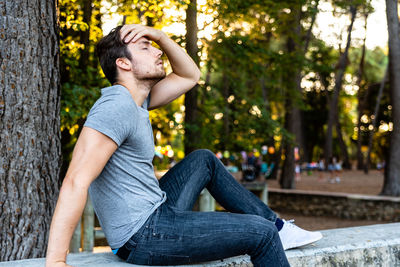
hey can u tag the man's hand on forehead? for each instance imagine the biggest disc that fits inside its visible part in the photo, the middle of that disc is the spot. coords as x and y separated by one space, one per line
133 32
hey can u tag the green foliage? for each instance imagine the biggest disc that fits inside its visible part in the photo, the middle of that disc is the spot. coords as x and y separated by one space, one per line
80 74
248 70
235 93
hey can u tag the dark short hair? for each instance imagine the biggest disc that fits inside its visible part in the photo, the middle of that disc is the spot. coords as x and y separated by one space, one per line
109 48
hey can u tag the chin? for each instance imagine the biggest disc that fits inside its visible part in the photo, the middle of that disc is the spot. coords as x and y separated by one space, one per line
159 76
155 78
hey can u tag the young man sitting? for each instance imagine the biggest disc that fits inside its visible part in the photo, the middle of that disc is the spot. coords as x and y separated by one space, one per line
147 221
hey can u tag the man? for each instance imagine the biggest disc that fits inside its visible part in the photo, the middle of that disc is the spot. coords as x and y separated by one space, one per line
146 221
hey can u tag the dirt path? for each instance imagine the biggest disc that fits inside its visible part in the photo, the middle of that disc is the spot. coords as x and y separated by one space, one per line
355 182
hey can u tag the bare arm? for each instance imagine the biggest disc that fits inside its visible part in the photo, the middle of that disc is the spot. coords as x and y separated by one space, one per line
185 73
91 153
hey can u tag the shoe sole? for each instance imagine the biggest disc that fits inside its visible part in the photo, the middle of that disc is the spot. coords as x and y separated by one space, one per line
309 241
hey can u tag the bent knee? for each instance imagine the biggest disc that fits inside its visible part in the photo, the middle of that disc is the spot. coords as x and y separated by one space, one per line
261 224
203 153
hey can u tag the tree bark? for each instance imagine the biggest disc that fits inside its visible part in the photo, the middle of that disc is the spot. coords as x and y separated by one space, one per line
333 111
29 126
191 107
391 184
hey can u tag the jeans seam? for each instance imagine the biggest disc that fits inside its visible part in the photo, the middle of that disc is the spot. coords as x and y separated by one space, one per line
277 252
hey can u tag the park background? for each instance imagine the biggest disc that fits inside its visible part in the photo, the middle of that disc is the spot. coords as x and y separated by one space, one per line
311 77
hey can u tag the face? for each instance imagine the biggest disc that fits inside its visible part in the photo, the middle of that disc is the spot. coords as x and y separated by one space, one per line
146 60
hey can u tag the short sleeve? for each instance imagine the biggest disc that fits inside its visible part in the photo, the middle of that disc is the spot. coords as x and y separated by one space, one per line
113 116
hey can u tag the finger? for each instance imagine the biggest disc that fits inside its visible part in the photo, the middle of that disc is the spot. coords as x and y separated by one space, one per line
124 30
127 29
139 35
129 36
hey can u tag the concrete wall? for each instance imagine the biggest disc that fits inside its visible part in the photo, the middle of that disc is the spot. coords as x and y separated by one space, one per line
341 205
374 245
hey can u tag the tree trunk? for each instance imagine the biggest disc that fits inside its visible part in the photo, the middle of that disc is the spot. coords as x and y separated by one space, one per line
300 136
309 31
361 100
391 184
342 144
277 160
287 175
333 111
292 116
374 120
226 119
29 126
84 35
191 132
288 169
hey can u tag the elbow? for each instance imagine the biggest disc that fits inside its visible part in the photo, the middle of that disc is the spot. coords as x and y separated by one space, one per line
75 184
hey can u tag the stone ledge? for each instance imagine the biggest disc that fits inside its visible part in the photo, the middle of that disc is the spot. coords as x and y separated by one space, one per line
86 259
334 194
341 205
373 245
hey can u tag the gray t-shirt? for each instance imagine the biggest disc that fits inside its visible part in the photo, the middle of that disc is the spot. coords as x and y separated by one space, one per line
126 192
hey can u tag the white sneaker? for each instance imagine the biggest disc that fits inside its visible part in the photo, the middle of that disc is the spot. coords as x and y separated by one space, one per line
293 236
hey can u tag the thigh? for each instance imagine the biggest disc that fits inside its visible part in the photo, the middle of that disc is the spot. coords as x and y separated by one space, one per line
182 237
184 182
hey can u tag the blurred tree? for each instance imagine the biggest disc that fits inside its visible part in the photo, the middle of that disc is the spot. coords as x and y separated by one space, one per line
391 184
375 62
333 102
360 96
191 109
374 121
297 46
319 77
29 127
292 78
148 12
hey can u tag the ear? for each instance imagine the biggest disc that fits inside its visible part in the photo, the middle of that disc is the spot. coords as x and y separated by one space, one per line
123 63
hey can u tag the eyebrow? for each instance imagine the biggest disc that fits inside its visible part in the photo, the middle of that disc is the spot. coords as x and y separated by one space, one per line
145 42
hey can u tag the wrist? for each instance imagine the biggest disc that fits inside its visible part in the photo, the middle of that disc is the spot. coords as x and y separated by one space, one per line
53 258
162 39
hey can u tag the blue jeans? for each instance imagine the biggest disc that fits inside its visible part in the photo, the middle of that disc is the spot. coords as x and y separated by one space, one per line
174 234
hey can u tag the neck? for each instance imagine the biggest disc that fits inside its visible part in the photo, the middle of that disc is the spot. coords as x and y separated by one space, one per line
139 90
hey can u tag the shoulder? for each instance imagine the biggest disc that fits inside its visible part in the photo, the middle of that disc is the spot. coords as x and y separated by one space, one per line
113 114
114 100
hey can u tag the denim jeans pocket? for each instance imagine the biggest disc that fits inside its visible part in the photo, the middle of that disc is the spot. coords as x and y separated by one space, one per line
164 259
131 246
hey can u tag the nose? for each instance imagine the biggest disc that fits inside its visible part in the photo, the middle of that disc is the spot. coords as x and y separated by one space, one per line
158 52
